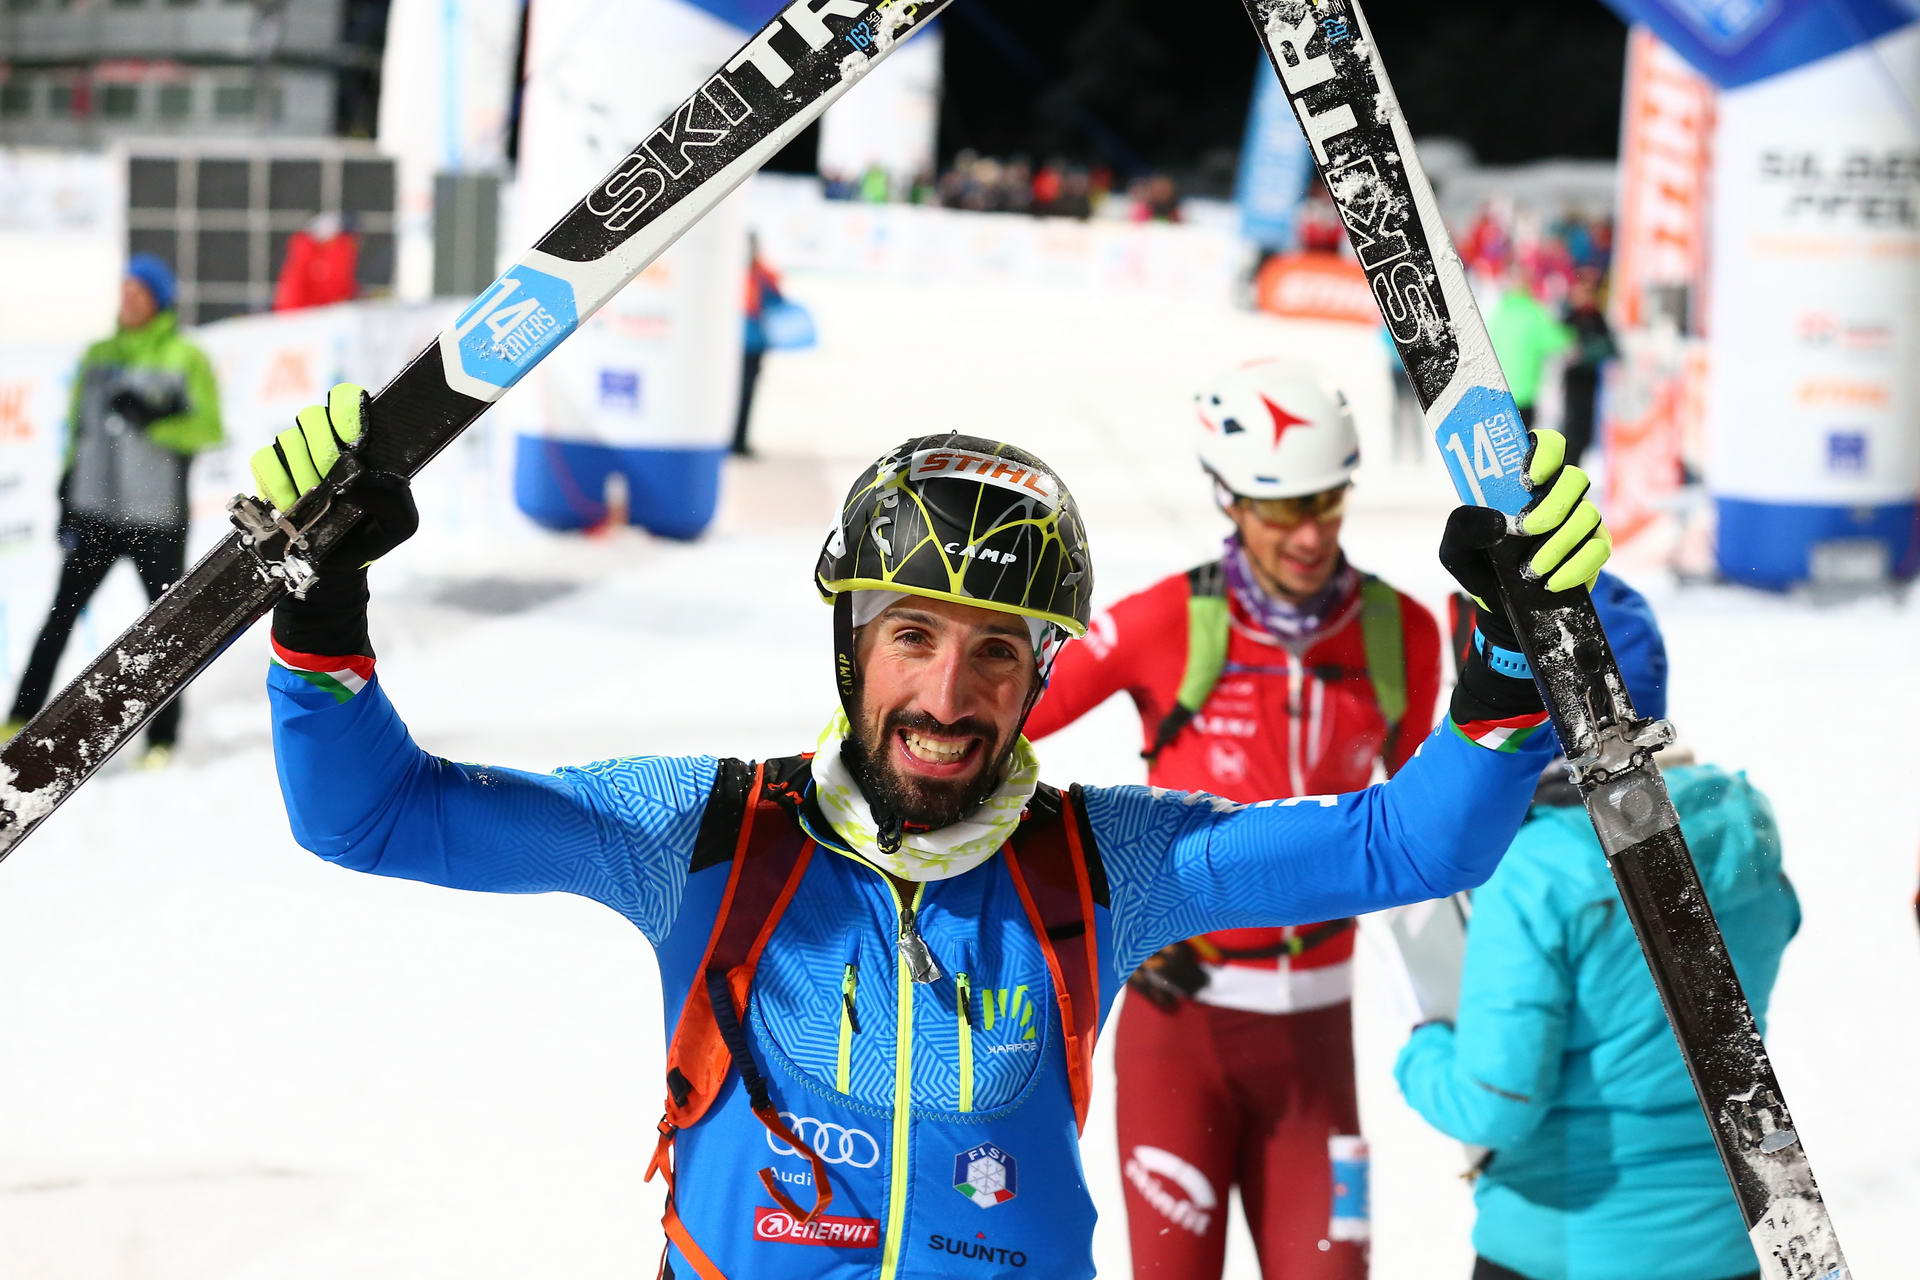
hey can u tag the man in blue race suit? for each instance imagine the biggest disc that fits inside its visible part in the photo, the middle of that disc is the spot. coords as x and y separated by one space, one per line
885 961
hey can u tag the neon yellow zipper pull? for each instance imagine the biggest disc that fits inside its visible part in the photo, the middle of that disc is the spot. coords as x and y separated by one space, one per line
849 1028
963 990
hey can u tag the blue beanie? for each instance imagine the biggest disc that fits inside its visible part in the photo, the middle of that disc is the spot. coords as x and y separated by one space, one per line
1637 644
157 276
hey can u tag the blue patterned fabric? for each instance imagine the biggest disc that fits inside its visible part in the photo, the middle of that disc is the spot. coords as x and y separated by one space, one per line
360 793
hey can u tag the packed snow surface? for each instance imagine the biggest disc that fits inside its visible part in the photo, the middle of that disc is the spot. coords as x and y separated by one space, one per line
227 1060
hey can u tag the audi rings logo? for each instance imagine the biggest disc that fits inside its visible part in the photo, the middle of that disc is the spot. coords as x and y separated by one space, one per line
835 1143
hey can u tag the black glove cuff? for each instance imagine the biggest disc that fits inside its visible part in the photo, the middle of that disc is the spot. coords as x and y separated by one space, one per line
1484 694
1493 624
331 621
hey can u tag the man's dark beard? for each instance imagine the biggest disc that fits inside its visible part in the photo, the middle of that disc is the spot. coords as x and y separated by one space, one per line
920 802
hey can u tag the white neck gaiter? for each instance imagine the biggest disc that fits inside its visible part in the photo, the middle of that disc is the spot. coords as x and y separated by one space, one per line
952 850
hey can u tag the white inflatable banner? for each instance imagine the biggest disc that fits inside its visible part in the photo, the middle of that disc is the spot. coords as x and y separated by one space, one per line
1813 401
646 390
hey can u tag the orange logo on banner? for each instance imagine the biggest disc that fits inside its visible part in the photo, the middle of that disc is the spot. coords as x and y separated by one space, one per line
288 376
1654 401
1843 393
15 426
1316 286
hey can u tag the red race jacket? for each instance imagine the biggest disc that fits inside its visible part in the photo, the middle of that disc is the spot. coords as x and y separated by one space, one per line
1278 724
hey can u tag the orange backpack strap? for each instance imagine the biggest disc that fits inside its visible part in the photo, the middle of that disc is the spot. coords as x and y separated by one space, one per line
753 805
1056 868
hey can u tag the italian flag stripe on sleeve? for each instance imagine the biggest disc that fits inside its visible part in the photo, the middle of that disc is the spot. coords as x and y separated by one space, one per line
340 676
1502 735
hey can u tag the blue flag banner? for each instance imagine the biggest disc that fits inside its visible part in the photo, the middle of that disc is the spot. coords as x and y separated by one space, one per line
748 15
1274 166
1736 42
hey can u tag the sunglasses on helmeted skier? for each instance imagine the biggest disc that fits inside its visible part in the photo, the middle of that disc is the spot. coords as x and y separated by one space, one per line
1290 513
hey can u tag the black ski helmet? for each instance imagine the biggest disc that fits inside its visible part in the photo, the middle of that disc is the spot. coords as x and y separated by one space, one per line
962 518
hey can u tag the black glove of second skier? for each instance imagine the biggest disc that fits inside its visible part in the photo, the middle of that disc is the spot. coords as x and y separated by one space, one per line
139 413
332 618
1170 975
1569 543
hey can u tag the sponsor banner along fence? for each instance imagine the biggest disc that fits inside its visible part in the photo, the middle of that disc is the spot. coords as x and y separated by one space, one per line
801 231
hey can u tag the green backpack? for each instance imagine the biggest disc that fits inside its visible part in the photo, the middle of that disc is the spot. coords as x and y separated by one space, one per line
1208 624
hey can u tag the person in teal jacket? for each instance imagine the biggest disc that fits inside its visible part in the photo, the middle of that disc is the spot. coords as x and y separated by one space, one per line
1562 1063
144 403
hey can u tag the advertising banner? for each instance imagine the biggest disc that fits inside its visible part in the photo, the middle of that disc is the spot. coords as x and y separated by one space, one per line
1814 391
1739 42
1316 286
1666 150
63 238
1653 399
1274 166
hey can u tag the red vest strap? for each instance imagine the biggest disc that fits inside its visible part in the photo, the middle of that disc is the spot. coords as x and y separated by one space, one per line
710 1039
765 872
1056 888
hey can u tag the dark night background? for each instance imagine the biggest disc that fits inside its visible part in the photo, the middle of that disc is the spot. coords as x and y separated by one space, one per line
1165 84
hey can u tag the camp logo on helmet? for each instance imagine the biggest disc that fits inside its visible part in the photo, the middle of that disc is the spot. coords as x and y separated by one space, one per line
973 551
1024 480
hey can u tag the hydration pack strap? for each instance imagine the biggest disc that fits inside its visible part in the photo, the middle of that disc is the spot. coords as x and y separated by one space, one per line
710 1039
1055 880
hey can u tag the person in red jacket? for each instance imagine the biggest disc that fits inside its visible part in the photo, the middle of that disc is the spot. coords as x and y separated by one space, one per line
1278 671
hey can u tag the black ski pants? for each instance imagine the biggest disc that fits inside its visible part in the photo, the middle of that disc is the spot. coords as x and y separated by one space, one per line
160 556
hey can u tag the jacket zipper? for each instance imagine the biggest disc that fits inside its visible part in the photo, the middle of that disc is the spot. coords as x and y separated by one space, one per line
914 951
963 990
914 960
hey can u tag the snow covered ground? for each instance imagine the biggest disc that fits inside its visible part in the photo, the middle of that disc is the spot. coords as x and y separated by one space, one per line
226 1060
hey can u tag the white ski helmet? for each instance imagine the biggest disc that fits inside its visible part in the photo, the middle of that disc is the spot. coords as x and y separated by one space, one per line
1273 429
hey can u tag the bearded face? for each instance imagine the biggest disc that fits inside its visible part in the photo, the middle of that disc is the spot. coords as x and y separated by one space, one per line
943 687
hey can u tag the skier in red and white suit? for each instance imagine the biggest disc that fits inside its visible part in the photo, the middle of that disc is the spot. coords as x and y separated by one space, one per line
1299 673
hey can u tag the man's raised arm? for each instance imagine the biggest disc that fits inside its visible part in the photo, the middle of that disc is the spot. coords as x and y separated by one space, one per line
361 793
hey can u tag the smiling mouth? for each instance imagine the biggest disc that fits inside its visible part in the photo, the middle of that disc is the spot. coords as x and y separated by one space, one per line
930 753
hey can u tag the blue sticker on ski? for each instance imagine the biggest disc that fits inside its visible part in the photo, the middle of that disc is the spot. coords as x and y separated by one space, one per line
511 327
1485 445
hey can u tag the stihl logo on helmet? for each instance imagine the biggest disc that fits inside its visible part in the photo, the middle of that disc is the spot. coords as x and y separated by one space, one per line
1028 481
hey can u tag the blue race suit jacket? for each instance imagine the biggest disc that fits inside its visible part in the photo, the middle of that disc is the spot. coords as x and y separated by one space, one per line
951 1141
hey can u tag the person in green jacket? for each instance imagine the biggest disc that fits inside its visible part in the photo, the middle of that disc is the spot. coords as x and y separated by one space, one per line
1526 335
144 402
1561 1061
